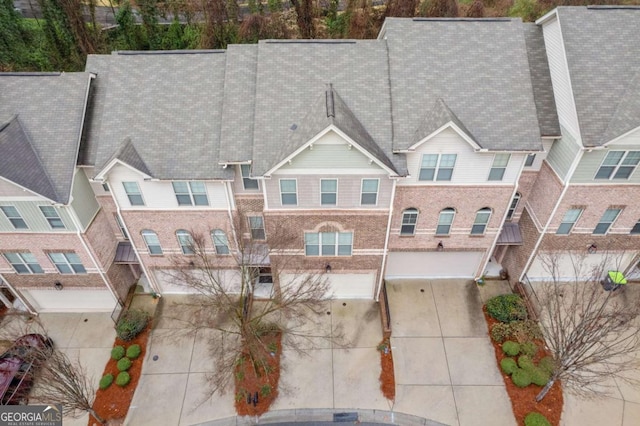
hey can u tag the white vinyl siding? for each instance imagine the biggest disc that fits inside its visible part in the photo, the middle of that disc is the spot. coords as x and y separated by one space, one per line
562 154
569 221
83 202
190 193
32 214
530 160
591 162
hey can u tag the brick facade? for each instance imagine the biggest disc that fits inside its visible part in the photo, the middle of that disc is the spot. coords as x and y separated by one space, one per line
516 257
544 195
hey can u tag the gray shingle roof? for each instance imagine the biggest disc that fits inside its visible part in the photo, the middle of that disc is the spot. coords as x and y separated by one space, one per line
478 67
169 106
128 154
50 108
602 45
99 65
439 115
541 81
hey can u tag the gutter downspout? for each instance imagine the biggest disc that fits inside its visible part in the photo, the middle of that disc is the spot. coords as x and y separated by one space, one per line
230 207
386 240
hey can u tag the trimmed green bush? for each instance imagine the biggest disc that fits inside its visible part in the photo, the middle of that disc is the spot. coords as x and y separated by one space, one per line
106 381
536 419
511 348
520 331
521 378
124 364
529 348
123 379
508 365
134 351
117 352
547 364
500 332
526 363
507 308
131 323
539 376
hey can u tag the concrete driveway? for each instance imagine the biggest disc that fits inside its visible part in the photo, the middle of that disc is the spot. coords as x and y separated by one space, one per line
444 362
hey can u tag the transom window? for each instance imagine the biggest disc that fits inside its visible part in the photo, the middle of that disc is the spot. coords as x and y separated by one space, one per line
133 193
24 263
191 193
256 225
369 192
186 241
220 241
500 162
445 220
513 206
247 182
328 192
636 228
14 217
288 192
437 166
152 241
607 219
618 165
409 221
67 263
52 216
568 221
481 221
328 243
529 161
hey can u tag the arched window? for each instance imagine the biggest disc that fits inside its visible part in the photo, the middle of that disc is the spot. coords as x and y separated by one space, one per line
514 205
409 220
220 241
480 223
152 241
445 220
186 241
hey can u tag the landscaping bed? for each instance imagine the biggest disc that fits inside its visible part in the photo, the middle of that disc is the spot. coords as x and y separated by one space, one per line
387 375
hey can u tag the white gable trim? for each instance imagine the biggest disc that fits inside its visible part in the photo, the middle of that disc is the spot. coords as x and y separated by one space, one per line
458 130
347 139
105 171
622 136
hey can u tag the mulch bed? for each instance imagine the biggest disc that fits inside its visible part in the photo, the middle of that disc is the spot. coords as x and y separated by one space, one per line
523 400
264 383
113 403
387 376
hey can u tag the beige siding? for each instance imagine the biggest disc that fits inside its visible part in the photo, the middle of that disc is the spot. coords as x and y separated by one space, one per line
562 154
8 189
32 215
84 201
591 161
238 186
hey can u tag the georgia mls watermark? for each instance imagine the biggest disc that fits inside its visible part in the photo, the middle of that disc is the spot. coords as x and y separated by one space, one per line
31 415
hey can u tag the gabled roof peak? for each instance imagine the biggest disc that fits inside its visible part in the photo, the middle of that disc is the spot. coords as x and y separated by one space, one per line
439 116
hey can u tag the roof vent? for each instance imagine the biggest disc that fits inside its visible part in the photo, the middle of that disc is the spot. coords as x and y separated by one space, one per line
330 104
294 126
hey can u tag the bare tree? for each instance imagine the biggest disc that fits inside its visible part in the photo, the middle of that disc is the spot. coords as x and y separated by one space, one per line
401 8
593 334
306 13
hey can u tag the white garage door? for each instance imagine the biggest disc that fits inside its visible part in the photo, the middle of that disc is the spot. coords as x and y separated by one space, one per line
343 286
68 300
581 265
433 264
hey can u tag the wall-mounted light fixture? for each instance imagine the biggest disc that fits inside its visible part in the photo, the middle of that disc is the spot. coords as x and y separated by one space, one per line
440 246
592 249
327 268
58 285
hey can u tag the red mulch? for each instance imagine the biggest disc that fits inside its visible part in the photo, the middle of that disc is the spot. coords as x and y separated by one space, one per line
523 400
248 382
387 376
113 402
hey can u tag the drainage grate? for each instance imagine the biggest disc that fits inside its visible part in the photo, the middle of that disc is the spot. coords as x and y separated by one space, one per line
345 417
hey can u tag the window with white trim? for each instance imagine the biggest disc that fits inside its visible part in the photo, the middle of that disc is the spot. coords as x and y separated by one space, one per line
123 230
256 225
220 241
328 192
133 193
528 162
288 192
191 193
67 263
618 165
568 221
445 220
409 221
328 243
369 192
247 181
513 206
480 223
186 241
636 228
11 212
607 219
51 214
499 166
24 263
152 241
437 167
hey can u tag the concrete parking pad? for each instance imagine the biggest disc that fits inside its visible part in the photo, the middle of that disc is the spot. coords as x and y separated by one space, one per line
484 405
631 415
158 400
173 349
360 321
459 308
599 411
431 402
420 360
413 309
60 327
93 330
198 408
356 379
472 361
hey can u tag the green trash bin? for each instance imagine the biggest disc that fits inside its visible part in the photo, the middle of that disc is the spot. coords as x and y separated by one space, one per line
613 281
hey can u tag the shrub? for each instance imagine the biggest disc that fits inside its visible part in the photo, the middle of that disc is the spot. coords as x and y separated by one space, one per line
547 364
265 390
529 348
526 363
131 324
123 379
521 378
117 352
536 419
133 351
507 308
500 332
124 364
106 381
520 331
508 365
511 348
539 376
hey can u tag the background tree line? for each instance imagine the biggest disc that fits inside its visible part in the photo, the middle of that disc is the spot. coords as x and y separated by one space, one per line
68 30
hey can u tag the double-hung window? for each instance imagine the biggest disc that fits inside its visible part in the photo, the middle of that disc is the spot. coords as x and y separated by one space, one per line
480 223
152 241
568 221
445 220
14 217
500 162
409 221
618 165
220 241
636 229
52 216
528 162
67 263
256 225
191 193
369 192
607 219
328 243
24 263
186 241
513 206
288 192
247 182
437 166
133 193
328 192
